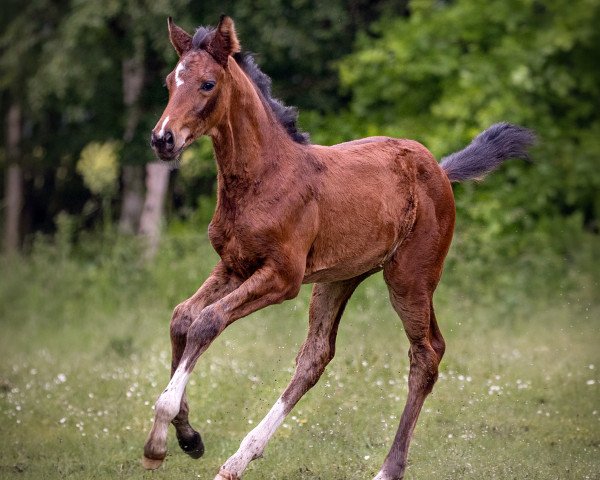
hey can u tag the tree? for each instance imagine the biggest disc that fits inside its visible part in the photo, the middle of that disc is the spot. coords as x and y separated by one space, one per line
134 76
92 72
451 69
101 49
14 179
299 43
25 29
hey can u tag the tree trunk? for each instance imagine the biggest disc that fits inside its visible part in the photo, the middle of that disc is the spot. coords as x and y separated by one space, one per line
13 189
133 71
133 198
157 181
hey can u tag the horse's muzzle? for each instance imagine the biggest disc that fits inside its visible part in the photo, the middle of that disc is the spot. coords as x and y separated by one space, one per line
164 145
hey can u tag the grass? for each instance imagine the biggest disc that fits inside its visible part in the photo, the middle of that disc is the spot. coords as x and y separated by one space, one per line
85 352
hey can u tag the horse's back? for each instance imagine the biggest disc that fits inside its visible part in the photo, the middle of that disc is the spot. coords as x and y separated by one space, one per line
361 141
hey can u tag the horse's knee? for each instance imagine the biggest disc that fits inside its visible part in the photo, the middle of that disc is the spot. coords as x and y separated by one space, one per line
180 321
439 345
435 335
424 362
206 327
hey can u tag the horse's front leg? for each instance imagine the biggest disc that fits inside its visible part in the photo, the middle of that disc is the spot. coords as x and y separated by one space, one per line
326 308
266 286
220 283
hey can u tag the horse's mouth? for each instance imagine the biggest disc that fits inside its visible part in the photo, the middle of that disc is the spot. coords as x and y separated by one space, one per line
175 154
169 157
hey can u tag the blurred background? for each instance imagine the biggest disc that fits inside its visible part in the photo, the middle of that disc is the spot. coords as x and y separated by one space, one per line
99 242
82 84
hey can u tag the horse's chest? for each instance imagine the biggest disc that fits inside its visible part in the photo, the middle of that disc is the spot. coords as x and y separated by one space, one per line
237 246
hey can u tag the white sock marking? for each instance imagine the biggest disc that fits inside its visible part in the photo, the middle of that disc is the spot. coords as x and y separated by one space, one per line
254 443
381 476
180 68
169 402
166 407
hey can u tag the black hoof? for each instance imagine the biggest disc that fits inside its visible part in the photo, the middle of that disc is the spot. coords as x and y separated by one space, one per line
192 445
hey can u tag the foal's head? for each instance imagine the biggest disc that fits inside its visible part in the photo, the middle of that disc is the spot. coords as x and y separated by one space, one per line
199 87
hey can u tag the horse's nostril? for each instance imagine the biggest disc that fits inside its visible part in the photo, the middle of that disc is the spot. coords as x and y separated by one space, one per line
163 143
169 140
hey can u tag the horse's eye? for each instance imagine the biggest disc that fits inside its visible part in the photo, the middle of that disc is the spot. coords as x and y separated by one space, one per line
207 86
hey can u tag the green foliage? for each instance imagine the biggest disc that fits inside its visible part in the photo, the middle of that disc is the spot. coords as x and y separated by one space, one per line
82 64
439 72
99 166
65 62
198 161
196 187
299 42
451 69
26 28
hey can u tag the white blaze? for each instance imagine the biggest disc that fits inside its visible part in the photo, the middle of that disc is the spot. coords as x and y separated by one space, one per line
180 68
162 127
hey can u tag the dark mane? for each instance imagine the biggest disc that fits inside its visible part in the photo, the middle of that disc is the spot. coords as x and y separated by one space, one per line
202 37
287 116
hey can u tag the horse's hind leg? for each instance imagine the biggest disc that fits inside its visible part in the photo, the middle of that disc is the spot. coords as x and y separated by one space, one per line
326 308
425 353
412 276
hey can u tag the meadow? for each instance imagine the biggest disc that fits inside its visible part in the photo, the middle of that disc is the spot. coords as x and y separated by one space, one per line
85 352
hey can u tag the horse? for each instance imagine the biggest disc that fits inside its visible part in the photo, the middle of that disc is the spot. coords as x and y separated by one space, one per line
289 213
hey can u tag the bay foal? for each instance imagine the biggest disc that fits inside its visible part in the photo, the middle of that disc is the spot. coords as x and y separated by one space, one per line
289 213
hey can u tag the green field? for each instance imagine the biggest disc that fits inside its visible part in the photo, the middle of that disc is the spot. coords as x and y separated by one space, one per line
85 352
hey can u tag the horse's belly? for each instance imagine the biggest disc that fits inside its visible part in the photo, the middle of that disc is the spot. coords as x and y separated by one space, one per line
337 273
360 237
349 257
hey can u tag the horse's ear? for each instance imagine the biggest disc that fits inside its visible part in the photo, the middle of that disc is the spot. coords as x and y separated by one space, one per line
224 41
180 39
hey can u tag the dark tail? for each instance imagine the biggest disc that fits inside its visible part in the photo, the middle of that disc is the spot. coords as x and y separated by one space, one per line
487 151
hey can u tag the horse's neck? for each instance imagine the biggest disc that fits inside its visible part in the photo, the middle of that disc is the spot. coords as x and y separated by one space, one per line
248 138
